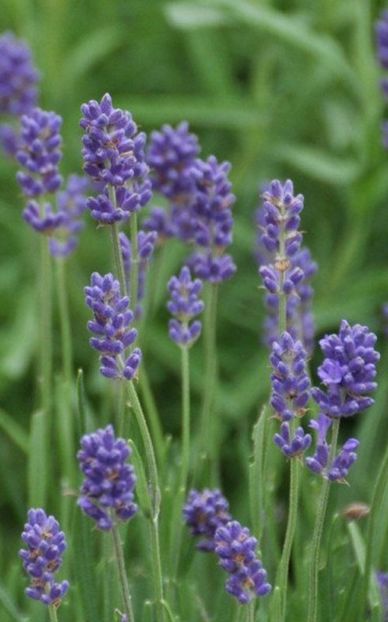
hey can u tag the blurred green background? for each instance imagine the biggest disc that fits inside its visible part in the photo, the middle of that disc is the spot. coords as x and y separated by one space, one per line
280 89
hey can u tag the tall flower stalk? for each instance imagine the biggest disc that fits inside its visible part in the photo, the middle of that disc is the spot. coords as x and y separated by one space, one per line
348 374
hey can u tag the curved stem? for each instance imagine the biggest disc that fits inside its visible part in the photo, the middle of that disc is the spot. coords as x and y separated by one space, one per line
64 318
118 547
154 493
45 326
318 530
282 575
134 277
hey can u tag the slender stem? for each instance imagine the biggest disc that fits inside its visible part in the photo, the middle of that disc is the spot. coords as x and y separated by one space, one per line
185 360
251 611
118 258
154 493
210 374
152 412
127 599
52 613
134 278
45 326
318 530
282 575
64 318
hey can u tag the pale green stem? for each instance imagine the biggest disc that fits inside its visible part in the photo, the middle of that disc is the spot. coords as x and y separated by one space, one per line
134 277
154 492
45 326
153 417
185 361
251 611
52 613
210 375
282 574
64 318
312 612
118 258
118 547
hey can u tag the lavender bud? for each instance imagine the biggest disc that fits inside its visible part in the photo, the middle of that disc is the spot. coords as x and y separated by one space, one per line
145 245
107 492
43 557
184 304
204 512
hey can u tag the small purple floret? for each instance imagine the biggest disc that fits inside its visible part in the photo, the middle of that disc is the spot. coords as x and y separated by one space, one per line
184 304
43 557
107 492
204 512
236 549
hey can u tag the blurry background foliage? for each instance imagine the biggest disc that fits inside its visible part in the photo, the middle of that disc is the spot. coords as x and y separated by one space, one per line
279 88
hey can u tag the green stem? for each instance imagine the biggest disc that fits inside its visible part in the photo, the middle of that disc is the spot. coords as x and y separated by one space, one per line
45 326
185 361
312 612
52 613
210 374
370 541
282 575
64 318
118 547
154 493
118 258
251 611
152 412
134 277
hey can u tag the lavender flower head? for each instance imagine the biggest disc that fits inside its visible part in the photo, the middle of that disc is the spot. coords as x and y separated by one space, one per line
212 220
382 47
338 469
39 152
236 549
113 153
204 512
18 77
184 304
71 206
42 557
107 492
348 371
145 247
111 327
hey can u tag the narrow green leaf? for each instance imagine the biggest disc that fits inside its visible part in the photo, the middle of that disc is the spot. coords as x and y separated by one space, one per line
256 479
39 460
192 16
142 492
81 404
84 566
14 431
9 605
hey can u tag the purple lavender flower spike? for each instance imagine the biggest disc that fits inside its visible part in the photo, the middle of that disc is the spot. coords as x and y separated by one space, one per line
146 244
107 492
40 153
171 154
236 549
184 304
290 381
348 371
212 221
159 220
18 77
318 462
113 153
111 327
204 512
42 558
71 207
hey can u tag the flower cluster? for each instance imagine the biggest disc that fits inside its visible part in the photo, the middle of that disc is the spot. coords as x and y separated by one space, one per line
43 557
204 512
338 468
18 86
145 248
111 327
71 206
184 305
113 154
107 492
236 549
286 268
39 152
348 371
290 393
